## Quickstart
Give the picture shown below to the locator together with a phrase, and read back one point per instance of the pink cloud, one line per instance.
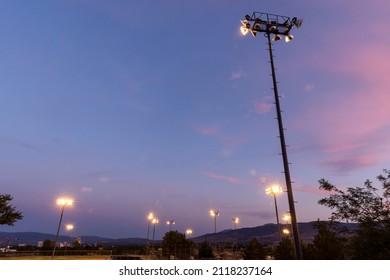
(206, 129)
(311, 189)
(350, 121)
(237, 74)
(229, 179)
(229, 142)
(263, 107)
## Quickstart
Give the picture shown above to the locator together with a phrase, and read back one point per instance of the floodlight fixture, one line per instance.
(289, 37)
(277, 37)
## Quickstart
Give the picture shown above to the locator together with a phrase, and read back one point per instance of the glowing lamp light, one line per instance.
(64, 201)
(214, 213)
(274, 190)
(150, 216)
(69, 227)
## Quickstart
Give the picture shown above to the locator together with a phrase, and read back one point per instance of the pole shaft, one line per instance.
(277, 216)
(297, 242)
(58, 231)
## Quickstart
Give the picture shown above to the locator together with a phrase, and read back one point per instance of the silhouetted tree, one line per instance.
(254, 250)
(175, 244)
(205, 251)
(8, 213)
(326, 244)
(368, 208)
(47, 245)
(285, 250)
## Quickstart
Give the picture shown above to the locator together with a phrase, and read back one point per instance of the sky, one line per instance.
(163, 106)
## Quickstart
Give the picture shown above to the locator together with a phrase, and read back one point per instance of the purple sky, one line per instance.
(163, 106)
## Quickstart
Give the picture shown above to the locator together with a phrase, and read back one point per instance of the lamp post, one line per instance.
(69, 228)
(150, 217)
(63, 202)
(277, 26)
(214, 214)
(170, 223)
(154, 222)
(287, 219)
(274, 190)
(189, 232)
(235, 221)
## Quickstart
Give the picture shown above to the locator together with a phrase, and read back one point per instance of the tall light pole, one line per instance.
(287, 219)
(150, 218)
(274, 190)
(214, 214)
(69, 228)
(63, 202)
(188, 232)
(187, 235)
(154, 222)
(235, 221)
(170, 223)
(277, 26)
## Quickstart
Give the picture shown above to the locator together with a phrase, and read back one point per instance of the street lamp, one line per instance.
(154, 222)
(63, 202)
(235, 222)
(170, 223)
(150, 217)
(274, 190)
(214, 214)
(69, 228)
(286, 218)
(277, 26)
(189, 232)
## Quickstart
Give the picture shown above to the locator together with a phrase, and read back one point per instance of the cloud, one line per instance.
(309, 87)
(345, 164)
(18, 143)
(263, 107)
(229, 142)
(237, 74)
(104, 179)
(86, 189)
(350, 117)
(206, 129)
(229, 179)
(310, 189)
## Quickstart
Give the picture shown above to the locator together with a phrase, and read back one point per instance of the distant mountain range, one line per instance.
(267, 233)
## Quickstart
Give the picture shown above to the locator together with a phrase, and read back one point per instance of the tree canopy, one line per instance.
(254, 250)
(370, 208)
(175, 244)
(359, 204)
(8, 213)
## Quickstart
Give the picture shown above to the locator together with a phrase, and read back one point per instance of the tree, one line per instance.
(205, 251)
(8, 214)
(285, 250)
(326, 244)
(47, 245)
(371, 210)
(175, 244)
(254, 250)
